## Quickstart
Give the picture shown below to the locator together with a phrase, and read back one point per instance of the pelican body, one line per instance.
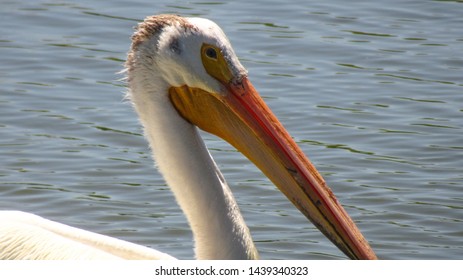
(183, 75)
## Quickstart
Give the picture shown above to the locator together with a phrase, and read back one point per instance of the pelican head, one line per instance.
(185, 69)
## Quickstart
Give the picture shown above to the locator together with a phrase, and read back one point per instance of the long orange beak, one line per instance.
(240, 116)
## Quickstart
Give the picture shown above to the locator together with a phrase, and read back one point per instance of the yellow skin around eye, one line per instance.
(216, 67)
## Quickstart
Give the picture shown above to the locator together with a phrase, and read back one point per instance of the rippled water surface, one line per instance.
(373, 93)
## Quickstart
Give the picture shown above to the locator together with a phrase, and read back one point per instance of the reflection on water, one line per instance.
(371, 93)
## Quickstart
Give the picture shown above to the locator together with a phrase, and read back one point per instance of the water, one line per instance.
(372, 93)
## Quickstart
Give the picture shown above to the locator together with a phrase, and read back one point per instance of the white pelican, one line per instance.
(183, 75)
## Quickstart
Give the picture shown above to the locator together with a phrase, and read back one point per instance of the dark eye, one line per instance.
(211, 53)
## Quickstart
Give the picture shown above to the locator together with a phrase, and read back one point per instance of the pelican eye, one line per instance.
(211, 53)
(215, 64)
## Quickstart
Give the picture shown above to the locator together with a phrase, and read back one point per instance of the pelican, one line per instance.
(183, 75)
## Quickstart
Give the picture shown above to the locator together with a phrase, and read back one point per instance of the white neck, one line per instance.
(218, 228)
